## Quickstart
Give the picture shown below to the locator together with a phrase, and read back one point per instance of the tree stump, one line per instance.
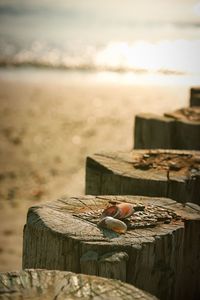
(173, 174)
(43, 284)
(177, 130)
(195, 96)
(159, 252)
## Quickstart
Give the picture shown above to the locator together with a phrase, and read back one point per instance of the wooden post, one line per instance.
(195, 96)
(110, 265)
(173, 174)
(43, 284)
(177, 130)
(64, 235)
(153, 132)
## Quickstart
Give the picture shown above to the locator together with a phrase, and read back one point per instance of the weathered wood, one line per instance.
(111, 265)
(153, 132)
(173, 174)
(195, 96)
(177, 130)
(43, 284)
(195, 100)
(157, 259)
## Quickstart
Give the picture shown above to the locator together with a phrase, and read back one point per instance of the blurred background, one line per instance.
(73, 74)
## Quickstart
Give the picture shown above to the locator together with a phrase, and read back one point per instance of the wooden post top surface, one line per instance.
(73, 218)
(43, 284)
(188, 115)
(161, 165)
(65, 235)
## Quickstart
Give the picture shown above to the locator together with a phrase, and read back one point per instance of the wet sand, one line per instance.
(48, 127)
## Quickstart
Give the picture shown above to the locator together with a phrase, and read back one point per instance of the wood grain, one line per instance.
(157, 260)
(174, 130)
(119, 174)
(46, 285)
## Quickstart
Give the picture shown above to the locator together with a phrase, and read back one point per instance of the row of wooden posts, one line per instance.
(163, 259)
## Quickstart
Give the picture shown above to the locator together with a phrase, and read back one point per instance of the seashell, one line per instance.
(112, 211)
(113, 224)
(125, 210)
(119, 211)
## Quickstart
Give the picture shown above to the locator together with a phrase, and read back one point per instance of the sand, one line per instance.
(48, 127)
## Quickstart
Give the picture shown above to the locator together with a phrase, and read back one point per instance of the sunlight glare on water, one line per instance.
(179, 56)
(143, 37)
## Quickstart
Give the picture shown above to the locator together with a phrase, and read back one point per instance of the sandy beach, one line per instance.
(48, 125)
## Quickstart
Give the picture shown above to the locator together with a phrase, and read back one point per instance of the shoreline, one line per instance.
(101, 77)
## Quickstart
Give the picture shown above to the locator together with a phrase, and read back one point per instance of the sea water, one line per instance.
(132, 38)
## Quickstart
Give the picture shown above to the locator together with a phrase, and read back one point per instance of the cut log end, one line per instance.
(43, 284)
(176, 130)
(188, 114)
(63, 235)
(159, 173)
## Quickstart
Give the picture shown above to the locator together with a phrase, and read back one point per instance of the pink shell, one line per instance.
(125, 210)
(119, 211)
(112, 211)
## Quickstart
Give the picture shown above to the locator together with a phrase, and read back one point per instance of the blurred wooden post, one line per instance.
(43, 284)
(195, 96)
(156, 259)
(153, 132)
(173, 174)
(177, 130)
